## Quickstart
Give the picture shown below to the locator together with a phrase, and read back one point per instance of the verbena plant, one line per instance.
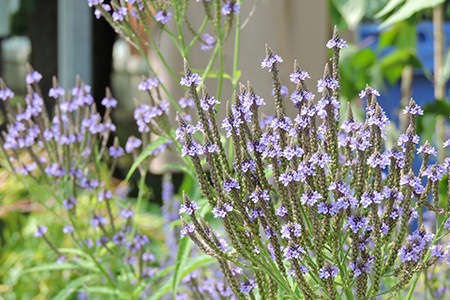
(310, 207)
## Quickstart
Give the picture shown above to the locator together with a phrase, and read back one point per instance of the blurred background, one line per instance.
(399, 47)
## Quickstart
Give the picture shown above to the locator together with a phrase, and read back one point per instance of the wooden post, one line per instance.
(74, 42)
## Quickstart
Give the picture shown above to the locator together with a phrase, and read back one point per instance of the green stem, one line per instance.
(237, 40)
(436, 239)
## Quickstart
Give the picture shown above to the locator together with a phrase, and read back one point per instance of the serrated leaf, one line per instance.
(144, 154)
(52, 267)
(184, 247)
(408, 9)
(352, 11)
(191, 265)
(390, 6)
(72, 286)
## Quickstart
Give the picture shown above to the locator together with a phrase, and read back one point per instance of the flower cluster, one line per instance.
(312, 187)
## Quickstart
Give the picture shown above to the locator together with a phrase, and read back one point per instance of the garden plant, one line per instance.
(307, 204)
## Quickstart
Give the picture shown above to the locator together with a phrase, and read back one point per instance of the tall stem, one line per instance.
(439, 84)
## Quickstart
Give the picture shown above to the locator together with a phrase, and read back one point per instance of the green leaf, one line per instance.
(72, 286)
(184, 247)
(390, 6)
(446, 68)
(180, 167)
(408, 9)
(53, 267)
(193, 264)
(352, 11)
(145, 153)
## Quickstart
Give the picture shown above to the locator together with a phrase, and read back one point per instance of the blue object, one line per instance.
(423, 90)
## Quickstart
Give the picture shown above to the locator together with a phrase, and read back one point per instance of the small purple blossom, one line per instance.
(327, 82)
(298, 76)
(187, 230)
(413, 109)
(163, 17)
(69, 203)
(247, 287)
(189, 207)
(116, 151)
(54, 92)
(208, 42)
(221, 211)
(132, 144)
(33, 77)
(97, 221)
(336, 43)
(148, 84)
(41, 231)
(191, 79)
(270, 61)
(293, 251)
(310, 198)
(231, 184)
(290, 230)
(229, 8)
(119, 14)
(355, 223)
(68, 229)
(328, 272)
(109, 102)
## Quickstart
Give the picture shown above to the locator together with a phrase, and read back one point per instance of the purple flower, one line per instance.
(328, 208)
(427, 149)
(126, 214)
(293, 251)
(187, 230)
(361, 266)
(40, 231)
(270, 61)
(6, 93)
(378, 160)
(434, 172)
(119, 14)
(186, 102)
(221, 211)
(298, 76)
(369, 198)
(298, 97)
(97, 221)
(230, 7)
(69, 203)
(116, 151)
(413, 109)
(231, 184)
(414, 182)
(192, 150)
(208, 42)
(163, 17)
(336, 43)
(310, 198)
(132, 144)
(284, 91)
(327, 82)
(328, 272)
(447, 224)
(247, 287)
(257, 196)
(407, 138)
(33, 77)
(438, 252)
(355, 223)
(281, 211)
(191, 79)
(189, 207)
(109, 102)
(94, 2)
(209, 102)
(68, 229)
(149, 84)
(368, 91)
(290, 230)
(55, 92)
